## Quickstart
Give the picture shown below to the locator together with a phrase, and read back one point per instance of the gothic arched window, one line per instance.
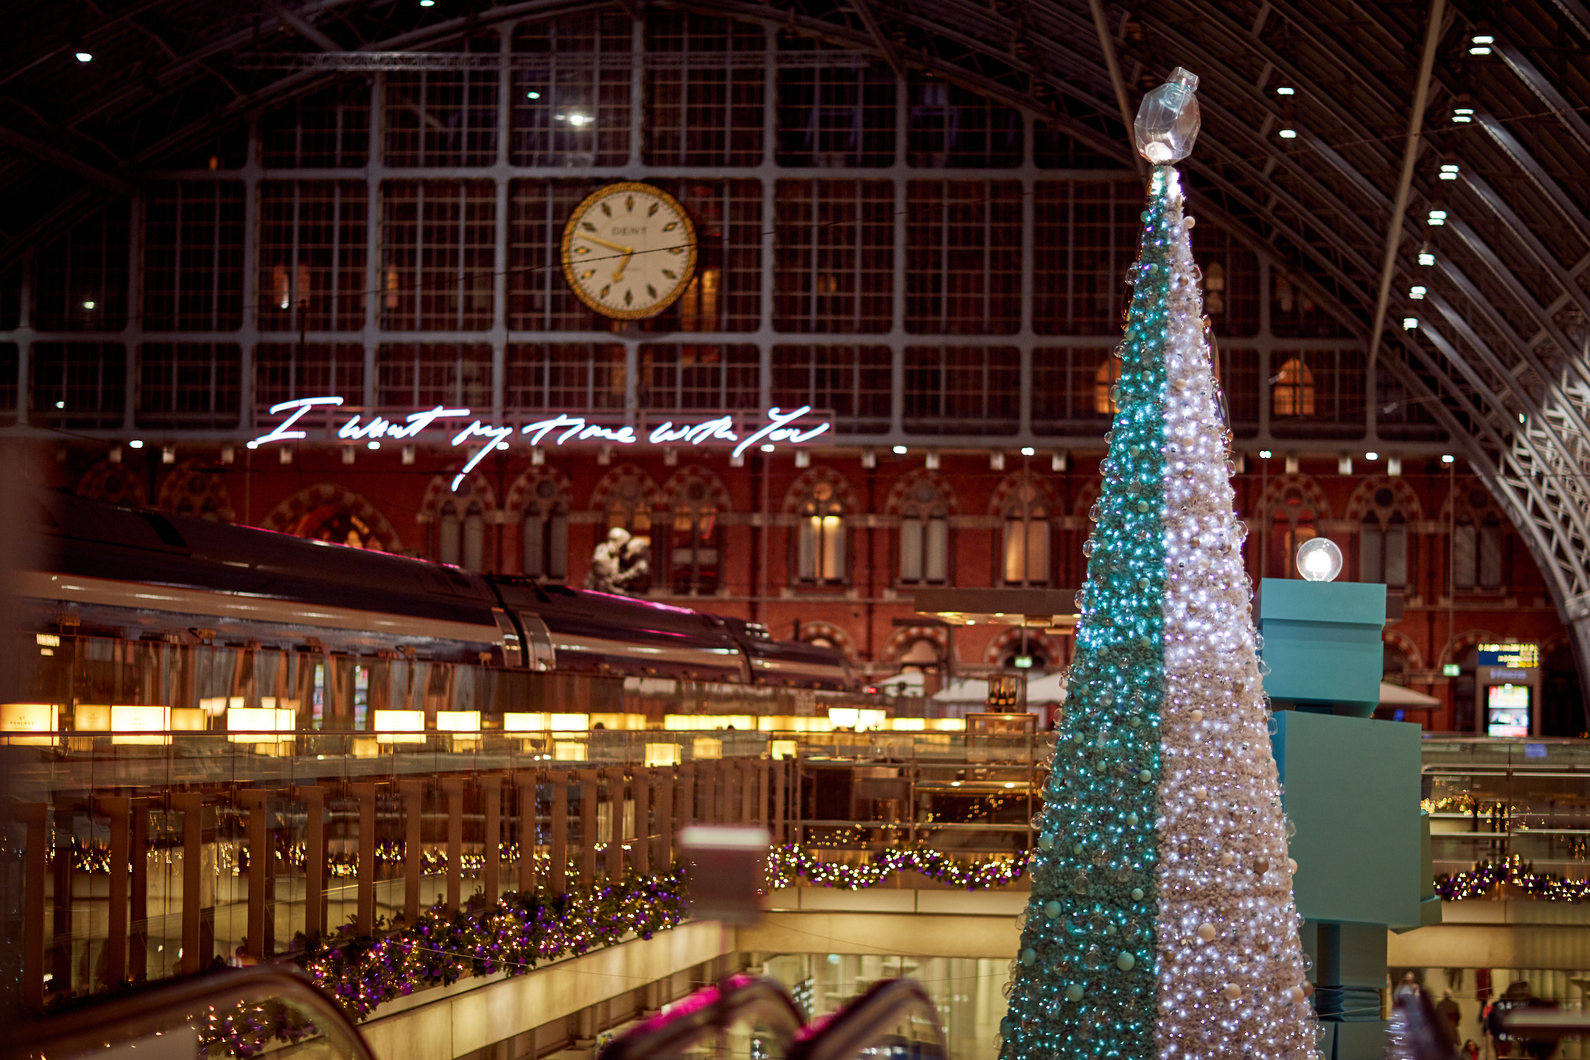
(546, 533)
(695, 541)
(1026, 550)
(1383, 541)
(461, 535)
(820, 548)
(924, 536)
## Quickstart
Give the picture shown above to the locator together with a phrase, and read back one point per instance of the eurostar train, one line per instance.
(137, 576)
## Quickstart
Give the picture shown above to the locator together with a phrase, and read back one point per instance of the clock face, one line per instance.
(629, 250)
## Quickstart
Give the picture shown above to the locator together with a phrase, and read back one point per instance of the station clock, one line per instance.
(629, 250)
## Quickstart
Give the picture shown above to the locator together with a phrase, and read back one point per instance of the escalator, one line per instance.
(894, 1019)
(272, 1011)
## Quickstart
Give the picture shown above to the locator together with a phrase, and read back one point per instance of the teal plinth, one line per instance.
(1351, 788)
(1322, 643)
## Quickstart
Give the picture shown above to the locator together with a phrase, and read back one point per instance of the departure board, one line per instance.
(1511, 656)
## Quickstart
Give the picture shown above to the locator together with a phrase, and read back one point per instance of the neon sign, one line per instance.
(778, 426)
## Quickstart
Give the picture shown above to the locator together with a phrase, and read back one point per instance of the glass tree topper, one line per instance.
(1167, 121)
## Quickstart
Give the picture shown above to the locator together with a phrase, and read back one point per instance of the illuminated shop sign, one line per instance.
(774, 427)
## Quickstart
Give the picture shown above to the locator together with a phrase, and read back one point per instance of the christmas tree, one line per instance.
(1161, 922)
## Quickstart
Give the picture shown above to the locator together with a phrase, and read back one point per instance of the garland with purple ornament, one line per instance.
(1486, 875)
(786, 862)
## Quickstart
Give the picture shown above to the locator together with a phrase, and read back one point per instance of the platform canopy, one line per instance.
(1308, 155)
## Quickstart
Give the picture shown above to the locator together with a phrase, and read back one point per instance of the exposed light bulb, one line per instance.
(85, 57)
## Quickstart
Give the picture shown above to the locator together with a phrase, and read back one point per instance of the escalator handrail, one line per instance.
(87, 1024)
(855, 1027)
(739, 998)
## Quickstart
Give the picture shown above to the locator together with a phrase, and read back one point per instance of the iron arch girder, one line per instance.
(1543, 319)
(1542, 87)
(1555, 551)
(1387, 98)
(1548, 186)
(1213, 15)
(1518, 508)
(1566, 493)
(1533, 411)
(1515, 225)
(1211, 105)
(189, 63)
(1521, 347)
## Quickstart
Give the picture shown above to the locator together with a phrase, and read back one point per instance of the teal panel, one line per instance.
(1355, 603)
(1351, 788)
(1322, 642)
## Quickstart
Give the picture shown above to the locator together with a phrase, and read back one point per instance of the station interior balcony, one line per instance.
(131, 857)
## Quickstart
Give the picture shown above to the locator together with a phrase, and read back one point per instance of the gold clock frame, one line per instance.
(569, 233)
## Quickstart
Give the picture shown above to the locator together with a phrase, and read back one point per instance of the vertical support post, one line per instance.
(314, 800)
(527, 835)
(61, 951)
(491, 873)
(667, 787)
(560, 832)
(118, 809)
(191, 806)
(640, 786)
(257, 802)
(138, 948)
(748, 789)
(34, 818)
(764, 812)
(454, 786)
(685, 813)
(364, 921)
(780, 798)
(588, 794)
(614, 862)
(413, 792)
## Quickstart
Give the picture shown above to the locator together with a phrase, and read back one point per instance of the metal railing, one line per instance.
(236, 1012)
(143, 860)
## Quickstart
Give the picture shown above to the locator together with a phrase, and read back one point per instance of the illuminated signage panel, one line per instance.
(1511, 656)
(774, 427)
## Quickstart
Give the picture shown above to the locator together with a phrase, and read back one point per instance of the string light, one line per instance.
(787, 862)
(1161, 914)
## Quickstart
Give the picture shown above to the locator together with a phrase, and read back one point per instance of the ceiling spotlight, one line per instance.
(1426, 258)
(1286, 90)
(1289, 134)
(899, 450)
(1437, 217)
(1480, 44)
(1462, 115)
(1371, 456)
(60, 404)
(532, 95)
(1265, 454)
(88, 305)
(1448, 458)
(427, 3)
(1449, 171)
(372, 445)
(85, 57)
(136, 443)
(1416, 291)
(1028, 450)
(767, 448)
(1410, 323)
